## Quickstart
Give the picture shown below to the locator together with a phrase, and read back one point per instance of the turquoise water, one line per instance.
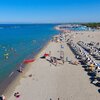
(19, 42)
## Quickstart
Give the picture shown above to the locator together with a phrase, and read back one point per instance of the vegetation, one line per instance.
(92, 25)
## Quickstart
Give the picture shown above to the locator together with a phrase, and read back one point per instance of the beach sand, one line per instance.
(50, 82)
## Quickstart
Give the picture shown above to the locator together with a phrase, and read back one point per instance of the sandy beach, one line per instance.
(42, 80)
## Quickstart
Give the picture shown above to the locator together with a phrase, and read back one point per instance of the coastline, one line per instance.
(21, 46)
(14, 80)
(61, 81)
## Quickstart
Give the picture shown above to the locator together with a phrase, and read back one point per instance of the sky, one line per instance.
(49, 11)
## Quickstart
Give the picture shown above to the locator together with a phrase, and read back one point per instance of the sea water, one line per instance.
(19, 42)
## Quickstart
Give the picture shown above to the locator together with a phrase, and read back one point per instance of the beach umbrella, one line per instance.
(97, 64)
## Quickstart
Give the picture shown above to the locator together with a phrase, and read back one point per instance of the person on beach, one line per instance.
(67, 59)
(53, 60)
(62, 46)
(17, 95)
(2, 97)
(62, 56)
(21, 69)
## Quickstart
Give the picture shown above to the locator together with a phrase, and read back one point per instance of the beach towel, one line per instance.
(46, 54)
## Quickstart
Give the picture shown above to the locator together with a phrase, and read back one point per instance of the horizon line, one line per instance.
(44, 22)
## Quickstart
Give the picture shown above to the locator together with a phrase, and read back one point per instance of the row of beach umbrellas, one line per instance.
(81, 51)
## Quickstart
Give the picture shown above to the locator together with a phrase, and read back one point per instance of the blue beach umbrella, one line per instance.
(98, 64)
(62, 46)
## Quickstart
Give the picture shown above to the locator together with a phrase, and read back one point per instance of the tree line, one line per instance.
(92, 25)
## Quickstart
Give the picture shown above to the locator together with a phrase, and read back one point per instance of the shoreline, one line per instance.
(21, 47)
(50, 81)
(16, 75)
